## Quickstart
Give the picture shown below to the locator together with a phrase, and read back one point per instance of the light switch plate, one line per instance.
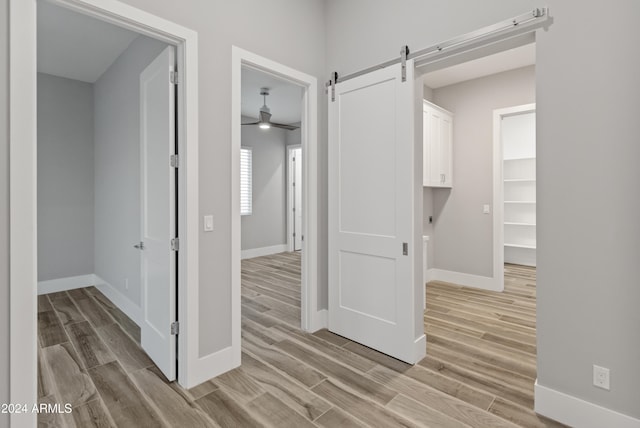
(486, 209)
(208, 223)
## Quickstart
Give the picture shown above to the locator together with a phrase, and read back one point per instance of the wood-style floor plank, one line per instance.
(336, 417)
(479, 371)
(67, 310)
(93, 312)
(174, 405)
(277, 414)
(73, 384)
(125, 402)
(364, 410)
(224, 410)
(125, 322)
(294, 395)
(93, 414)
(91, 349)
(50, 331)
(128, 352)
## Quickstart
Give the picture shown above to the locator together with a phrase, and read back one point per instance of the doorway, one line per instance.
(106, 190)
(23, 186)
(312, 319)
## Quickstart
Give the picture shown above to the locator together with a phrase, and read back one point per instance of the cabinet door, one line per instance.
(437, 148)
(446, 153)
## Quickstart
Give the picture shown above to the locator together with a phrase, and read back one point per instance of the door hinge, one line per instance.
(175, 244)
(405, 249)
(173, 77)
(175, 161)
(175, 328)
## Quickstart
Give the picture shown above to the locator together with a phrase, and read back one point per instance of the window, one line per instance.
(245, 181)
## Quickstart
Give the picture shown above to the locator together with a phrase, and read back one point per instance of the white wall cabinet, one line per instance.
(438, 146)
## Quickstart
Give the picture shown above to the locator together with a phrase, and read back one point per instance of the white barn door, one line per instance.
(158, 197)
(371, 221)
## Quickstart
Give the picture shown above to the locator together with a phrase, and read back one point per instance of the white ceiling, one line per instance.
(284, 100)
(492, 64)
(76, 46)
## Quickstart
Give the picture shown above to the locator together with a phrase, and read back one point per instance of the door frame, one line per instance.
(498, 187)
(23, 186)
(290, 197)
(312, 319)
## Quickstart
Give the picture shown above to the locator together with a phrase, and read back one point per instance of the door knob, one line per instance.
(139, 246)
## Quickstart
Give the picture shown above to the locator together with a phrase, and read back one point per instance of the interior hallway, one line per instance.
(479, 372)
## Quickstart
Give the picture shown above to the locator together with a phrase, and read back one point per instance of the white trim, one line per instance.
(23, 187)
(290, 196)
(576, 412)
(420, 347)
(23, 261)
(121, 301)
(64, 284)
(310, 316)
(466, 279)
(263, 251)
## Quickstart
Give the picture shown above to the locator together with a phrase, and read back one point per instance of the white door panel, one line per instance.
(371, 181)
(158, 184)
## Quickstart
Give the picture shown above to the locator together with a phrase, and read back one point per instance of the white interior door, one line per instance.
(371, 183)
(297, 198)
(158, 184)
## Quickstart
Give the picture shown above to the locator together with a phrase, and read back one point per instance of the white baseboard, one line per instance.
(468, 280)
(420, 347)
(576, 412)
(123, 303)
(264, 251)
(64, 284)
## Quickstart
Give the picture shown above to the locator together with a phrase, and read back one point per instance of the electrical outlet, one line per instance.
(601, 377)
(126, 283)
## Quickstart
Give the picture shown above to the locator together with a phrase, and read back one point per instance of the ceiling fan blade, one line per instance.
(283, 126)
(253, 123)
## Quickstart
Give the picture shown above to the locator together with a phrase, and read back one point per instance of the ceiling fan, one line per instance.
(264, 117)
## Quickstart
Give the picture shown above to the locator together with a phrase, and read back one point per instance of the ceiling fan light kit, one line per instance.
(264, 116)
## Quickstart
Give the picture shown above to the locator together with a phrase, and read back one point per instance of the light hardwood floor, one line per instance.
(479, 371)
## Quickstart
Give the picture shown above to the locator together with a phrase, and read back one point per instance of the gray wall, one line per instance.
(65, 177)
(4, 208)
(588, 150)
(587, 282)
(462, 234)
(117, 167)
(267, 225)
(296, 39)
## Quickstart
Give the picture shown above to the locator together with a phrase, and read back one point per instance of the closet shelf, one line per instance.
(531, 247)
(519, 159)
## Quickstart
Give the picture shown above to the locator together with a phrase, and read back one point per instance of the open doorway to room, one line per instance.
(271, 192)
(479, 225)
(108, 139)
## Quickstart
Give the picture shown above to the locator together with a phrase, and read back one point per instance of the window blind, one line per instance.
(245, 181)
